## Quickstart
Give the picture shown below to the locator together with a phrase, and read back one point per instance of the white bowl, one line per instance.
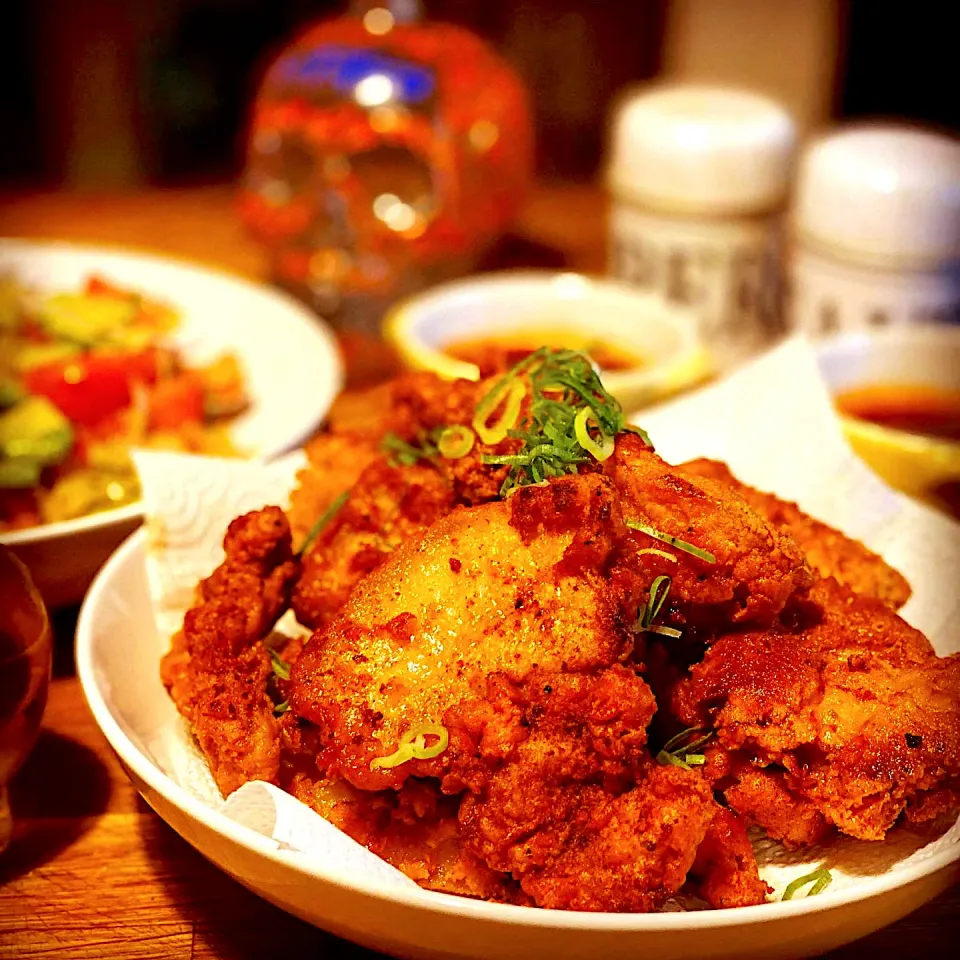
(290, 361)
(512, 301)
(118, 657)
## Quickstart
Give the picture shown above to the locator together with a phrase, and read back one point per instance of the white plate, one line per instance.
(289, 357)
(118, 658)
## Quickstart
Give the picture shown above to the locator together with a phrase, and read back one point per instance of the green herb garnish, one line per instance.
(413, 746)
(658, 593)
(679, 751)
(673, 541)
(281, 668)
(321, 524)
(281, 708)
(570, 420)
(820, 879)
(404, 454)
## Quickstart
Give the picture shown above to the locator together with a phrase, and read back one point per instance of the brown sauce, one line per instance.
(496, 354)
(923, 410)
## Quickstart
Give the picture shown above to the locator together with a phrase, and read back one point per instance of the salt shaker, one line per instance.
(876, 231)
(699, 179)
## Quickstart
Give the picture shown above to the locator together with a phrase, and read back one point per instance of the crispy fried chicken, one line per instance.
(828, 551)
(852, 715)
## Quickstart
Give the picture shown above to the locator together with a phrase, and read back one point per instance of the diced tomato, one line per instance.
(176, 401)
(89, 388)
(98, 287)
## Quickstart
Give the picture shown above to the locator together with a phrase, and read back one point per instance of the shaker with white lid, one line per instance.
(876, 230)
(699, 176)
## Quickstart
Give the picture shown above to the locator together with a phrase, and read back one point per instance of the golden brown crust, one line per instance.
(218, 669)
(858, 712)
(828, 551)
(758, 568)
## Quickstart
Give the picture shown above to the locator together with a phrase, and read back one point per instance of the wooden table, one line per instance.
(92, 871)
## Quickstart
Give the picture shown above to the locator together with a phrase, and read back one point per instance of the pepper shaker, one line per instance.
(699, 178)
(876, 231)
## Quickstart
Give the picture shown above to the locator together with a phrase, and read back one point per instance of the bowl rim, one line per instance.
(447, 904)
(864, 342)
(130, 512)
(400, 326)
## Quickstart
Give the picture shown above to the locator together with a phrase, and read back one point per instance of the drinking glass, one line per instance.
(26, 651)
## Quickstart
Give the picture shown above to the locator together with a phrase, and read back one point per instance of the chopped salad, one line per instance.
(86, 376)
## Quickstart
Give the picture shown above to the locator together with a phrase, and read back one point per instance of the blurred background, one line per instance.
(118, 94)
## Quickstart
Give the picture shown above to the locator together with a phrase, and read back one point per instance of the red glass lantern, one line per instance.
(385, 153)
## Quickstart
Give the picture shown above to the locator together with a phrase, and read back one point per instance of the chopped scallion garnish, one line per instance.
(680, 751)
(653, 552)
(413, 747)
(820, 879)
(570, 419)
(280, 667)
(673, 541)
(321, 524)
(455, 442)
(658, 593)
(404, 454)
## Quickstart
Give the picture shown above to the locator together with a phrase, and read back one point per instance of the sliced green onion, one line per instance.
(413, 747)
(673, 541)
(668, 759)
(510, 397)
(601, 451)
(653, 552)
(403, 454)
(280, 667)
(455, 442)
(676, 753)
(321, 524)
(820, 879)
(281, 708)
(665, 631)
(658, 593)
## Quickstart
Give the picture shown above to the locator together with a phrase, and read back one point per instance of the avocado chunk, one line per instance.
(19, 473)
(84, 319)
(35, 429)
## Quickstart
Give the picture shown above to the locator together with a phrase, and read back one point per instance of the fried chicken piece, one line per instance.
(725, 868)
(504, 587)
(828, 551)
(388, 503)
(506, 628)
(387, 506)
(335, 462)
(758, 568)
(415, 830)
(858, 712)
(565, 797)
(218, 668)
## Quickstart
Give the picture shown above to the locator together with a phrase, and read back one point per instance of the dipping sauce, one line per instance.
(495, 354)
(924, 410)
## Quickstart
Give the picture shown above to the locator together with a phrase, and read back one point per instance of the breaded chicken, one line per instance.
(505, 587)
(855, 709)
(218, 669)
(388, 500)
(335, 463)
(386, 506)
(505, 631)
(829, 552)
(758, 568)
